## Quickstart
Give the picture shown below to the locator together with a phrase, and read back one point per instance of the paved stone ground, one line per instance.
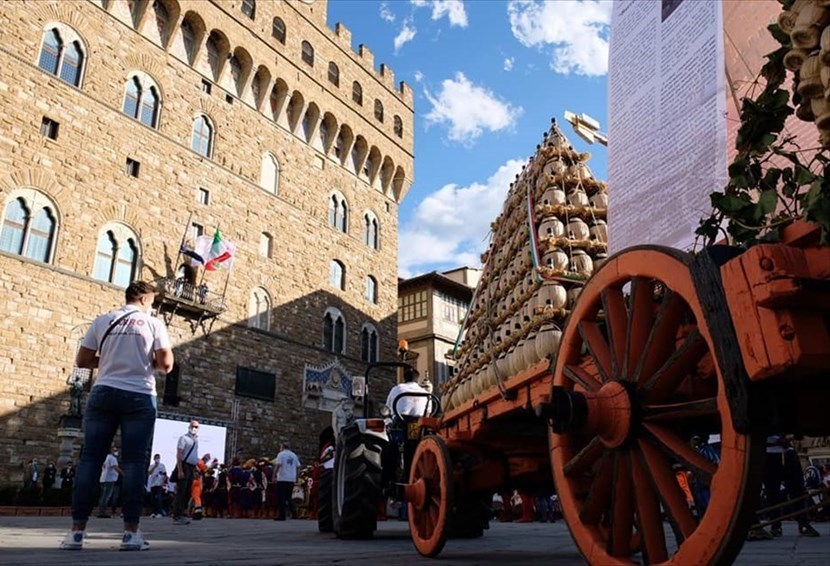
(33, 541)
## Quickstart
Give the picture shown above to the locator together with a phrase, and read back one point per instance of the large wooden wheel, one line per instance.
(639, 375)
(430, 495)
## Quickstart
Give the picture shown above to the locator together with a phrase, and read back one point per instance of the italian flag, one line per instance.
(220, 254)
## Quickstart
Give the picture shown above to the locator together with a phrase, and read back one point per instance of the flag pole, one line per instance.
(181, 246)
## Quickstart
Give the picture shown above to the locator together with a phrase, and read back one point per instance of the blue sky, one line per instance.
(487, 76)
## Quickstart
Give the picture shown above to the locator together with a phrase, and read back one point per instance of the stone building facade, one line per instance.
(129, 126)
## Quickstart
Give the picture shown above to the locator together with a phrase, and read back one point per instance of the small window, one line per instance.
(259, 310)
(249, 8)
(378, 110)
(338, 275)
(196, 230)
(133, 167)
(334, 74)
(202, 142)
(207, 86)
(265, 244)
(308, 53)
(255, 384)
(278, 30)
(370, 231)
(203, 196)
(357, 93)
(229, 99)
(371, 290)
(398, 126)
(49, 128)
(269, 174)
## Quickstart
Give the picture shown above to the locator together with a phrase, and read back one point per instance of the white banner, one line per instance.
(166, 437)
(667, 119)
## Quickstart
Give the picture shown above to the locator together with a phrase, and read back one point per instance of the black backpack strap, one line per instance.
(111, 327)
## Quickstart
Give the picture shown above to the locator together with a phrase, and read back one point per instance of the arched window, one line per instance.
(249, 8)
(370, 231)
(259, 310)
(278, 30)
(338, 146)
(324, 135)
(189, 40)
(29, 227)
(398, 126)
(338, 212)
(378, 110)
(202, 136)
(212, 47)
(371, 290)
(369, 343)
(117, 255)
(334, 331)
(357, 93)
(141, 100)
(334, 74)
(162, 21)
(61, 54)
(269, 176)
(308, 53)
(338, 275)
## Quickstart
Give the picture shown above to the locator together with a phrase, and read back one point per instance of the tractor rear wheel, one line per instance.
(357, 483)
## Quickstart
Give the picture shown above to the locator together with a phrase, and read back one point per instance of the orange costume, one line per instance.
(196, 489)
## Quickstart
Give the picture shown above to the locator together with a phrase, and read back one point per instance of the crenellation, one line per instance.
(388, 76)
(367, 57)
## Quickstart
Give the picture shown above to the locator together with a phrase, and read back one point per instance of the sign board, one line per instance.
(667, 120)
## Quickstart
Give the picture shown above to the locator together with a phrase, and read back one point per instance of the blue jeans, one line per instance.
(107, 409)
(107, 491)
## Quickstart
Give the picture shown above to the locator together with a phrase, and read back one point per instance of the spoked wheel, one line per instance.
(430, 495)
(636, 377)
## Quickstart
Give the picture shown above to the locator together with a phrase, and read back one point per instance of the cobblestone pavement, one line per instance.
(34, 540)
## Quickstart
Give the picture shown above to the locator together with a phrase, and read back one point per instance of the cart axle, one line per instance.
(606, 413)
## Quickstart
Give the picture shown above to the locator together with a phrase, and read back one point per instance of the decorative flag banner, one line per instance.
(216, 251)
(196, 259)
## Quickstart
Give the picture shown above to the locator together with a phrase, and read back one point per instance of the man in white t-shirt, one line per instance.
(156, 475)
(410, 405)
(286, 465)
(127, 346)
(109, 476)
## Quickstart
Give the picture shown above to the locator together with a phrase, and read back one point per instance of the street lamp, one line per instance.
(587, 128)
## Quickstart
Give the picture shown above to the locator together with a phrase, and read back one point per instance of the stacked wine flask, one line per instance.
(549, 238)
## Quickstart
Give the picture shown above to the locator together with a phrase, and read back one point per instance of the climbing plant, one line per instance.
(771, 183)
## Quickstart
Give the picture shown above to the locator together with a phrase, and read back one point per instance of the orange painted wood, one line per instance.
(780, 323)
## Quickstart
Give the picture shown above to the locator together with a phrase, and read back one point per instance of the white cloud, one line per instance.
(406, 34)
(450, 227)
(577, 30)
(508, 64)
(469, 110)
(453, 9)
(385, 13)
(419, 76)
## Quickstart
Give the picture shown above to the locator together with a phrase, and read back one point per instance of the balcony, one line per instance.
(197, 303)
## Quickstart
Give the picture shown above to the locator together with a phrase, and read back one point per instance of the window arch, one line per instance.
(117, 256)
(334, 74)
(142, 100)
(338, 275)
(29, 226)
(259, 309)
(334, 331)
(202, 142)
(62, 54)
(269, 176)
(278, 30)
(249, 8)
(338, 212)
(308, 53)
(378, 110)
(370, 231)
(398, 126)
(357, 93)
(371, 289)
(369, 343)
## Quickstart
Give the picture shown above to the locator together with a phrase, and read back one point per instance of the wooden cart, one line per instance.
(661, 345)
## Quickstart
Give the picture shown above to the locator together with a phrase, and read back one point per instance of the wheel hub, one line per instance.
(608, 412)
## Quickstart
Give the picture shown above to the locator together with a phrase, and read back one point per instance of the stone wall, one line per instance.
(45, 306)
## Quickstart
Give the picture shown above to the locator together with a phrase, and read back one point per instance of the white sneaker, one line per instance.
(153, 516)
(74, 540)
(134, 541)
